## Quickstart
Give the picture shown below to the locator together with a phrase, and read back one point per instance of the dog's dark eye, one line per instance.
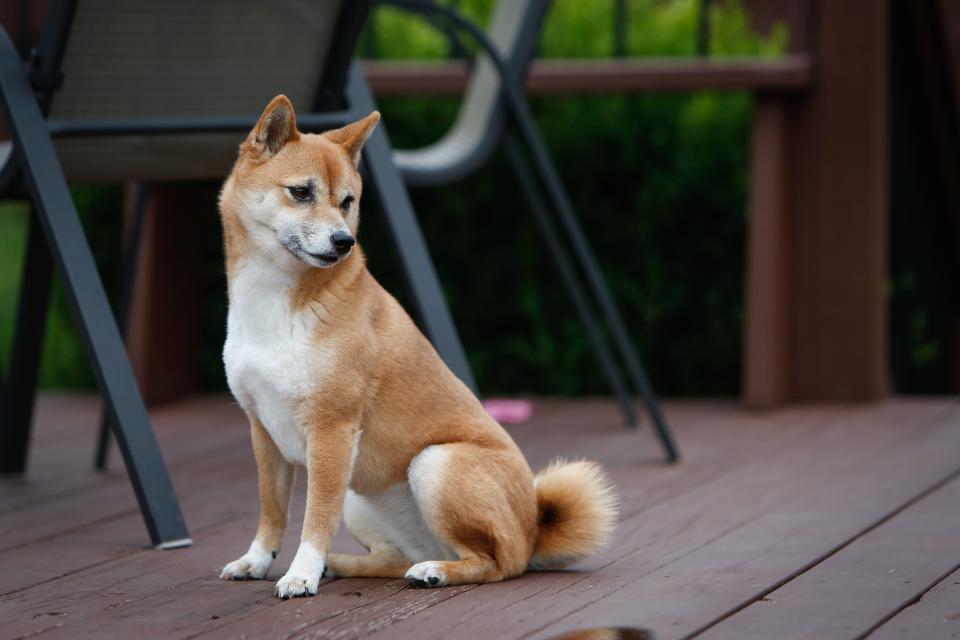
(301, 193)
(345, 205)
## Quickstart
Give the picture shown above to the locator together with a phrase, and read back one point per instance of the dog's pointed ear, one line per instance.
(352, 136)
(276, 127)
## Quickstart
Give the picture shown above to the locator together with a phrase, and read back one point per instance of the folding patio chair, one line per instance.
(494, 100)
(121, 90)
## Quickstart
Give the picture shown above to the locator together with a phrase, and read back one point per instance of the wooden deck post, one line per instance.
(163, 335)
(766, 334)
(823, 336)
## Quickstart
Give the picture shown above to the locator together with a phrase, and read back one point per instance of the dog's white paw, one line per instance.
(292, 586)
(426, 574)
(304, 573)
(253, 565)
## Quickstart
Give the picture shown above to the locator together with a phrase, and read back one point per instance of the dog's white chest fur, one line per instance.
(272, 356)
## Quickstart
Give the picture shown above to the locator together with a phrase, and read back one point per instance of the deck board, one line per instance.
(853, 591)
(935, 615)
(749, 495)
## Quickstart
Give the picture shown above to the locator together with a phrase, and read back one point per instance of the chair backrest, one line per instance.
(513, 30)
(142, 59)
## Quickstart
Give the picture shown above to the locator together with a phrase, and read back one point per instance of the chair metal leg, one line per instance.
(531, 134)
(128, 277)
(77, 271)
(520, 112)
(412, 248)
(571, 281)
(16, 405)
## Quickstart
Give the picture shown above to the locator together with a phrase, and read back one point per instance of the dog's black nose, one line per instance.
(342, 241)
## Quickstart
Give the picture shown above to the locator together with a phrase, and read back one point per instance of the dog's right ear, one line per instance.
(276, 127)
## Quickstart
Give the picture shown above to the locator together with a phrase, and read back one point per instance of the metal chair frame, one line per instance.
(512, 71)
(56, 239)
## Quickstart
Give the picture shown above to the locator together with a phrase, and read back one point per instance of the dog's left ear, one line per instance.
(352, 136)
(276, 127)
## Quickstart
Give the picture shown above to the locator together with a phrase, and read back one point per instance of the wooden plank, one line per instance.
(163, 338)
(61, 468)
(113, 588)
(317, 622)
(670, 530)
(105, 561)
(691, 560)
(766, 331)
(793, 73)
(935, 615)
(838, 190)
(850, 593)
(110, 559)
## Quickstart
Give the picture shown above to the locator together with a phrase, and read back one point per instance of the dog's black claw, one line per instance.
(434, 580)
(416, 582)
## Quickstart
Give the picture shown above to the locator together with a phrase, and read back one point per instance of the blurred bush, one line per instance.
(658, 181)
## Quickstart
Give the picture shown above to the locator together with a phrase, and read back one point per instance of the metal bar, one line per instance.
(571, 280)
(703, 28)
(162, 126)
(77, 271)
(414, 256)
(555, 189)
(619, 28)
(523, 118)
(128, 277)
(16, 410)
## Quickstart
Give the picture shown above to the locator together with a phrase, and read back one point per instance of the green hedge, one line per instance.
(658, 182)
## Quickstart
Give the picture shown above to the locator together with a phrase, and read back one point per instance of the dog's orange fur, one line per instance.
(391, 387)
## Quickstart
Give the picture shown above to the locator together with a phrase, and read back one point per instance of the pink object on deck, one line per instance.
(509, 411)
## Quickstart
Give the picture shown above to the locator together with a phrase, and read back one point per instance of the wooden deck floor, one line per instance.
(822, 522)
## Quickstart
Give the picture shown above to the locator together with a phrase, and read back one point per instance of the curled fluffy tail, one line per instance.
(577, 513)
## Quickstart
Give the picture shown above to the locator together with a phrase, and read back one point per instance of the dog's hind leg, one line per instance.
(381, 563)
(467, 570)
(390, 525)
(479, 503)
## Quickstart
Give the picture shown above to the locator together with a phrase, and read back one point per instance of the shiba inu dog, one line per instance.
(334, 376)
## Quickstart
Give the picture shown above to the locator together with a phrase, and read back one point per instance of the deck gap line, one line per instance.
(637, 578)
(57, 534)
(99, 479)
(312, 623)
(304, 632)
(467, 589)
(929, 421)
(586, 576)
(909, 603)
(802, 570)
(121, 555)
(583, 577)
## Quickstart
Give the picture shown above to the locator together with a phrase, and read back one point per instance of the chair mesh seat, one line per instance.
(137, 59)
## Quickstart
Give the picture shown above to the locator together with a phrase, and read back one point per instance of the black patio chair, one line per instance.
(494, 110)
(121, 90)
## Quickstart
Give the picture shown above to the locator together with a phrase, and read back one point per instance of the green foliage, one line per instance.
(63, 363)
(658, 182)
(577, 29)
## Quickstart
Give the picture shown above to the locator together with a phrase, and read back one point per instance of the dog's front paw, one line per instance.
(426, 574)
(246, 568)
(292, 586)
(253, 565)
(304, 573)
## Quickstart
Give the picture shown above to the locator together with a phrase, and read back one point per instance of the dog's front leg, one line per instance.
(329, 460)
(275, 476)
